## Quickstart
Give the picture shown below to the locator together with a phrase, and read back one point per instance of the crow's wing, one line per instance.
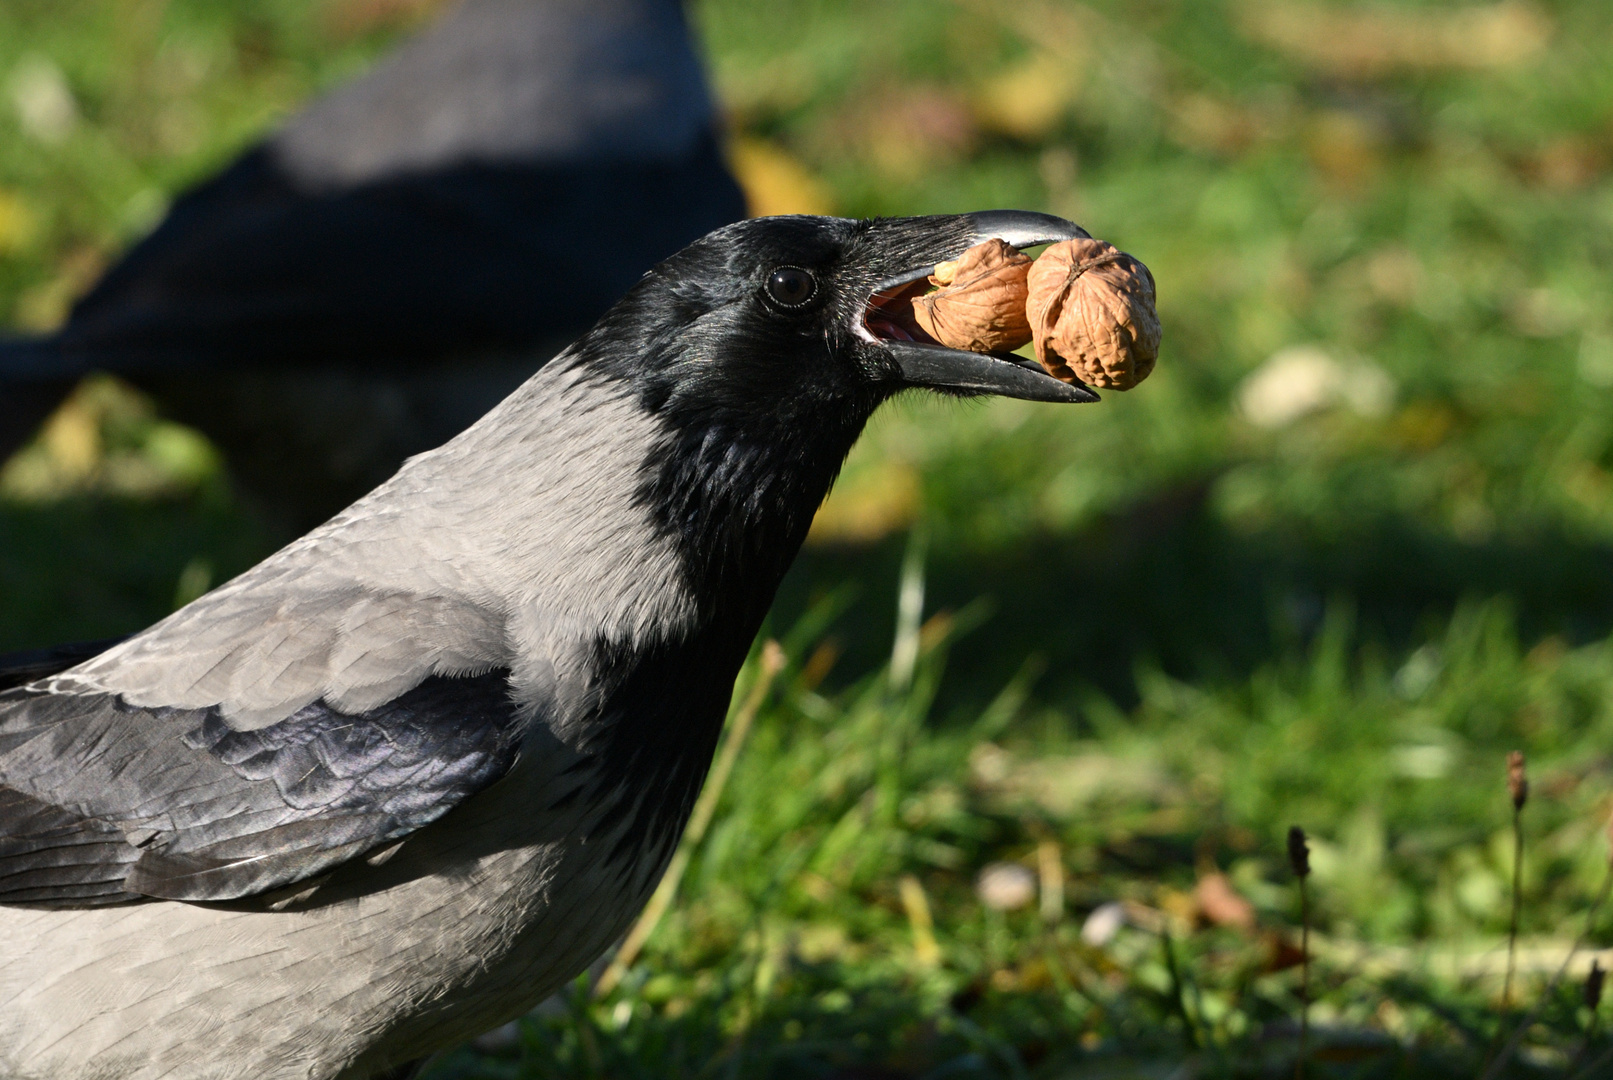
(102, 802)
(497, 182)
(249, 269)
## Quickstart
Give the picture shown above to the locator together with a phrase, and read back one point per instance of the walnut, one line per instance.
(981, 303)
(1091, 309)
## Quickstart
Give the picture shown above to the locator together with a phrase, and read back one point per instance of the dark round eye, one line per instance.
(791, 286)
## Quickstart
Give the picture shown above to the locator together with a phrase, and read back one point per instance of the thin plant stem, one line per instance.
(1517, 905)
(1593, 1002)
(1495, 1066)
(1304, 979)
(1518, 788)
(1299, 860)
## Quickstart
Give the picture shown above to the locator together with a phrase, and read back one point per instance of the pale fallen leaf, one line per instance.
(775, 182)
(1222, 905)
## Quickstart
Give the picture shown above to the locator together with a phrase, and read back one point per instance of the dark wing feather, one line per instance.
(102, 802)
(251, 268)
(48, 854)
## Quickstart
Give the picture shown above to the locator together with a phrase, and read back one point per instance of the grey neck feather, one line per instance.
(518, 544)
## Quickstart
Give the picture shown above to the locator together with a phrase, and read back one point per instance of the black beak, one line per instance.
(982, 373)
(928, 364)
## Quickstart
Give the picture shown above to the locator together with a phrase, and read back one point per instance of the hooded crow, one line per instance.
(398, 257)
(404, 778)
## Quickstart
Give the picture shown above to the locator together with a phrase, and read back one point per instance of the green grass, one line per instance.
(1174, 631)
(791, 952)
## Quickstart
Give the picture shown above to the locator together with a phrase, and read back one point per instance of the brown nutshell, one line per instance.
(1091, 310)
(981, 303)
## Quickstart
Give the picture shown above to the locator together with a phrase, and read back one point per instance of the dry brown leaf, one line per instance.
(1091, 310)
(1281, 954)
(1222, 905)
(981, 305)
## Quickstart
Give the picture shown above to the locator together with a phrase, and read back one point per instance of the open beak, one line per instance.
(924, 362)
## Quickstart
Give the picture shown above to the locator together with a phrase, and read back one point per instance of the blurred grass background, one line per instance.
(1351, 543)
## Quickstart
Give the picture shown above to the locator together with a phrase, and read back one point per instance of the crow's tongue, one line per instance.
(889, 316)
(887, 330)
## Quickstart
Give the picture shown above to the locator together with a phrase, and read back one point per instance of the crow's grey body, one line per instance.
(395, 784)
(496, 551)
(483, 914)
(352, 614)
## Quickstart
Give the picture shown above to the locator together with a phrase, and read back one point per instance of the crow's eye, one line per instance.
(791, 286)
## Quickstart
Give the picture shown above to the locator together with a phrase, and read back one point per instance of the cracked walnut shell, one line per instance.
(1091, 310)
(981, 303)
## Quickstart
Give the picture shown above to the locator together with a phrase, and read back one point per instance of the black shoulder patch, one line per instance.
(103, 802)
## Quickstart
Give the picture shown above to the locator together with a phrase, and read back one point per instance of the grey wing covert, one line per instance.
(102, 802)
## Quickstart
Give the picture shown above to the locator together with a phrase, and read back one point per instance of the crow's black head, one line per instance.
(777, 319)
(764, 348)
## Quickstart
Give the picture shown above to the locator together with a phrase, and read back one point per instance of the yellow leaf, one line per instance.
(1028, 100)
(17, 223)
(775, 182)
(867, 504)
